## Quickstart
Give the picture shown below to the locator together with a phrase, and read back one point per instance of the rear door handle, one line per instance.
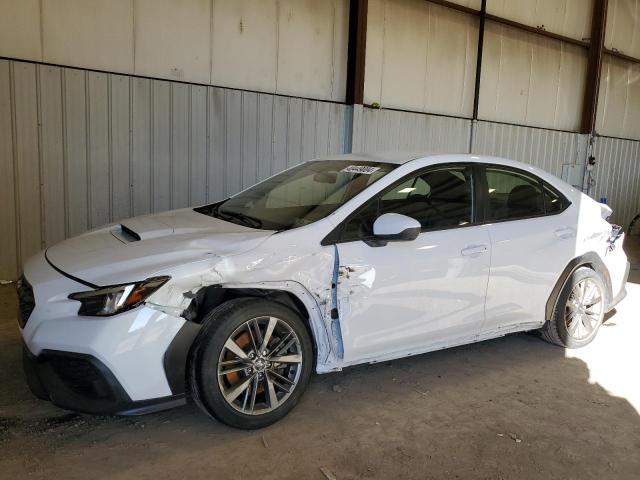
(474, 250)
(565, 232)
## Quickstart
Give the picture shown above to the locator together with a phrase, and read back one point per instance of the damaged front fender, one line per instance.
(308, 278)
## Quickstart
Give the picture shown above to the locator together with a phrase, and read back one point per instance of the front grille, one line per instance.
(80, 376)
(26, 301)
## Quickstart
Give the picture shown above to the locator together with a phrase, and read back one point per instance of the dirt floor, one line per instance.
(514, 407)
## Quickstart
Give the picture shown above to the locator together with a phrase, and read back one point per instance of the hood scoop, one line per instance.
(141, 228)
(125, 234)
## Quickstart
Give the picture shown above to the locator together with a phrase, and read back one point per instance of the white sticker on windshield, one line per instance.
(363, 169)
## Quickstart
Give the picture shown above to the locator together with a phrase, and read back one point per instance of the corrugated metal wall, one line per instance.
(389, 130)
(617, 176)
(79, 149)
(545, 149)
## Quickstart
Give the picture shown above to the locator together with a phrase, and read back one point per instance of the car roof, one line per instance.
(400, 158)
(423, 159)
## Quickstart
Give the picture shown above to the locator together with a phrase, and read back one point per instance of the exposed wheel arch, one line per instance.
(208, 298)
(212, 296)
(590, 260)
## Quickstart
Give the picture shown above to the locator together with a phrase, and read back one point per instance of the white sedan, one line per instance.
(335, 262)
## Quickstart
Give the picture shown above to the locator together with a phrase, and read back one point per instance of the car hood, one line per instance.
(143, 246)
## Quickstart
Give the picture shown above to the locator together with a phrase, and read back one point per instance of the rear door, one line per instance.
(533, 231)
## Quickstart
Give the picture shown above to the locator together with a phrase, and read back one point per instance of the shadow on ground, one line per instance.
(514, 407)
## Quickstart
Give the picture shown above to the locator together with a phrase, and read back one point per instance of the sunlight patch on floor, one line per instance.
(613, 358)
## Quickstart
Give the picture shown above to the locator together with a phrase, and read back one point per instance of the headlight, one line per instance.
(114, 299)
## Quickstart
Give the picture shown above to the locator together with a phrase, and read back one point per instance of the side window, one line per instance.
(513, 195)
(438, 199)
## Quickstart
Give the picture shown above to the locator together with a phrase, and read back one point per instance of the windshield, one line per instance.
(300, 195)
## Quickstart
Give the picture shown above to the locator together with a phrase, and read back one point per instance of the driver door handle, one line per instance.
(474, 250)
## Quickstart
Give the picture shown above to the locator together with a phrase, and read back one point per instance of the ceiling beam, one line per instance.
(537, 31)
(510, 23)
(356, 53)
(620, 55)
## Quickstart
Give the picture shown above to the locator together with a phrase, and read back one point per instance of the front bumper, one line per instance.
(83, 383)
(133, 362)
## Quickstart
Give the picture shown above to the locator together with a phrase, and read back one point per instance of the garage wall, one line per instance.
(289, 47)
(617, 176)
(618, 112)
(391, 130)
(543, 148)
(571, 18)
(532, 80)
(623, 21)
(80, 149)
(420, 57)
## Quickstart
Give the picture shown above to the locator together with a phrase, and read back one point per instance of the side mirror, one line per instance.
(394, 227)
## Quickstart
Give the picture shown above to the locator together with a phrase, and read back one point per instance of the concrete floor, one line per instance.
(514, 407)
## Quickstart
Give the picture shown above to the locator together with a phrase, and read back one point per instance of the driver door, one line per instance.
(413, 296)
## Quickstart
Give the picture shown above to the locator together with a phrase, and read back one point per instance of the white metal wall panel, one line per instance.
(392, 130)
(8, 240)
(91, 33)
(532, 80)
(545, 149)
(120, 145)
(289, 47)
(20, 29)
(98, 149)
(420, 57)
(245, 44)
(52, 153)
(312, 48)
(173, 39)
(571, 18)
(617, 176)
(623, 27)
(27, 165)
(618, 112)
(79, 149)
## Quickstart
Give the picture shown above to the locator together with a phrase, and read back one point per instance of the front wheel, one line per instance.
(251, 362)
(579, 311)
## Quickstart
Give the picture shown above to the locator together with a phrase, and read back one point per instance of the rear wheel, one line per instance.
(251, 362)
(579, 311)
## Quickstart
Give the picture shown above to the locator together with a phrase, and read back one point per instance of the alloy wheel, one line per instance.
(584, 310)
(260, 365)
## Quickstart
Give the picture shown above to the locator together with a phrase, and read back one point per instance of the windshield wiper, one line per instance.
(245, 219)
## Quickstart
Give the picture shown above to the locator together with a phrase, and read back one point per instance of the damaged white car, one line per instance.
(332, 263)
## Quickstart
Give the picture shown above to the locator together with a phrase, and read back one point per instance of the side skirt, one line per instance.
(525, 327)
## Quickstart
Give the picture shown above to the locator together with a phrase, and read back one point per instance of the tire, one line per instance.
(577, 317)
(249, 390)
